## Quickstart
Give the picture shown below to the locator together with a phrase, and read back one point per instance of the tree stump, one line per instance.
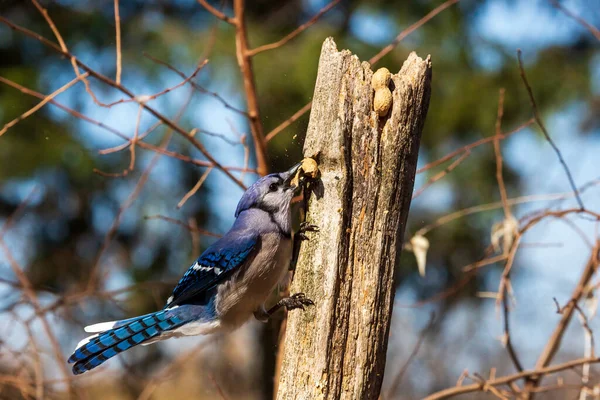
(337, 349)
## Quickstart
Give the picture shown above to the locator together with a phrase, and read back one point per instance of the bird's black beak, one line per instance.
(289, 176)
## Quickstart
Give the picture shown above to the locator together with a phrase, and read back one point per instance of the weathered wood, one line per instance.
(337, 349)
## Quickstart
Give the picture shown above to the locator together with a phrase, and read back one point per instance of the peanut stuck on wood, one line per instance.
(382, 102)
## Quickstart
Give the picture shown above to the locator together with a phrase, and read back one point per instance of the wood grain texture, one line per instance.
(337, 349)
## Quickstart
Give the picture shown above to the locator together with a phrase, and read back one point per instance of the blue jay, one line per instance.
(226, 285)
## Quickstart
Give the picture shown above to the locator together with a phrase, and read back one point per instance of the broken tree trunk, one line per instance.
(337, 349)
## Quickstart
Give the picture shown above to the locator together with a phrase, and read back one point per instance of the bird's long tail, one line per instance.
(120, 336)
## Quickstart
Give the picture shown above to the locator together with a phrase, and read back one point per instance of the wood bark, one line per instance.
(337, 349)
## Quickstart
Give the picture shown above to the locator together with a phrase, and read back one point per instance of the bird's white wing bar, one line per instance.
(100, 327)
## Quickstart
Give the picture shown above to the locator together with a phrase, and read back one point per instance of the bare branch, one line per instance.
(532, 374)
(41, 104)
(288, 121)
(31, 295)
(567, 312)
(131, 150)
(124, 90)
(383, 52)
(499, 176)
(244, 60)
(197, 86)
(74, 113)
(441, 174)
(64, 48)
(295, 32)
(118, 42)
(219, 14)
(471, 146)
(131, 198)
(179, 362)
(540, 123)
(195, 188)
(593, 30)
(372, 61)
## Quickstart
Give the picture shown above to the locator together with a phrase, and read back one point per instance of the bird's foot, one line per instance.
(298, 300)
(306, 227)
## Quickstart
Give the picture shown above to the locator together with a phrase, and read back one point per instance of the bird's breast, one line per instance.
(248, 288)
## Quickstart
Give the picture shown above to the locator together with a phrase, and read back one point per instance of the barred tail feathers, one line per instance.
(95, 350)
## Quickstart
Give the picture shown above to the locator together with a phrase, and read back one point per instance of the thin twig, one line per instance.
(219, 14)
(402, 35)
(499, 160)
(593, 30)
(30, 293)
(73, 60)
(196, 187)
(37, 365)
(398, 378)
(121, 135)
(133, 142)
(372, 61)
(64, 48)
(41, 104)
(585, 324)
(295, 32)
(471, 146)
(197, 86)
(507, 338)
(540, 123)
(556, 339)
(131, 198)
(589, 350)
(485, 262)
(116, 222)
(498, 204)
(244, 144)
(486, 207)
(146, 98)
(505, 280)
(441, 174)
(200, 163)
(182, 360)
(244, 60)
(118, 42)
(288, 121)
(123, 146)
(71, 111)
(535, 373)
(104, 79)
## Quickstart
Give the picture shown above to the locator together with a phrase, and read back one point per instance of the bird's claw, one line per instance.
(306, 227)
(298, 300)
(301, 236)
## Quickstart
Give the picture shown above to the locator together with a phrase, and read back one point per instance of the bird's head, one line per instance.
(271, 193)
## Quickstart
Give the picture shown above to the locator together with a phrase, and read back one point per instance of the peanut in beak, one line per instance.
(309, 169)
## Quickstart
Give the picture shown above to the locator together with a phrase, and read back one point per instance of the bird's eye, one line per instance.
(273, 187)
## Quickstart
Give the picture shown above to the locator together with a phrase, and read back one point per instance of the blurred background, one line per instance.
(97, 243)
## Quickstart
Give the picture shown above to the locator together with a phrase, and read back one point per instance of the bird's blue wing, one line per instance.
(214, 266)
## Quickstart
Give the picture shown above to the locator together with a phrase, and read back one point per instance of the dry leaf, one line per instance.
(419, 245)
(506, 231)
